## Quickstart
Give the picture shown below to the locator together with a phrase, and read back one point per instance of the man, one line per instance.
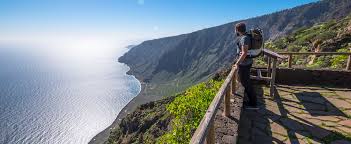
(244, 64)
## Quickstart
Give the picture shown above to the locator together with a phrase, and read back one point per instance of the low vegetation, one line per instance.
(331, 36)
(188, 110)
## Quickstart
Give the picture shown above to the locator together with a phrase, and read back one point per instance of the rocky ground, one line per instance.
(299, 115)
(226, 128)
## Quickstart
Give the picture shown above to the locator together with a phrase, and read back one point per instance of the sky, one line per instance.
(123, 20)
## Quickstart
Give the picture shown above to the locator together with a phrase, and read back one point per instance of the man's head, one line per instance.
(240, 28)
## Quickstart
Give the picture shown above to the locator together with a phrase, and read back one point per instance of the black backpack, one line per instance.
(256, 37)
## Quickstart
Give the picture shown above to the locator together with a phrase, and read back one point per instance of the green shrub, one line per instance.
(340, 61)
(188, 109)
(326, 35)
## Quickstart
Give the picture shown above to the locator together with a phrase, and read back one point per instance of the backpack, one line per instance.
(256, 37)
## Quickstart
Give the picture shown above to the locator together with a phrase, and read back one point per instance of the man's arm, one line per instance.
(242, 56)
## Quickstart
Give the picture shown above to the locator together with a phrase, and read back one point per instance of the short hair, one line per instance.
(240, 27)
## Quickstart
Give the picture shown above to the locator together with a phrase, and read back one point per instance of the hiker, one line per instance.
(244, 64)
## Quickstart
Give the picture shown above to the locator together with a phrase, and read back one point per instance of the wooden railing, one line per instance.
(206, 130)
(290, 55)
(271, 69)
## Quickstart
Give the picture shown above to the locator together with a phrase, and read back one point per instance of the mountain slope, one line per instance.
(331, 36)
(183, 60)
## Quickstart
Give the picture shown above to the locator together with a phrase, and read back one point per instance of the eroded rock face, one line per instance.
(148, 122)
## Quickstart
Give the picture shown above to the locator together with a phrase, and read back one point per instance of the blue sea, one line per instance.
(60, 95)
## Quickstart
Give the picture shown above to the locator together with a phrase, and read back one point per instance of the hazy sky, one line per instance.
(124, 19)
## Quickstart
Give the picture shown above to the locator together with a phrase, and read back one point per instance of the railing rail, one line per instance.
(205, 130)
(290, 55)
(315, 53)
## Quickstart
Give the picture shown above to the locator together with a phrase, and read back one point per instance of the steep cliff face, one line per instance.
(144, 58)
(193, 57)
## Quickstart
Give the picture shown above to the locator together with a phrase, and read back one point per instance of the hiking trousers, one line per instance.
(244, 76)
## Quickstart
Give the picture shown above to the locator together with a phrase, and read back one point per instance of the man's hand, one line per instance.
(243, 54)
(234, 66)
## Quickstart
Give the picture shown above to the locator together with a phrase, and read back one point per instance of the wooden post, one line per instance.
(210, 139)
(269, 67)
(348, 65)
(273, 77)
(234, 83)
(226, 111)
(289, 60)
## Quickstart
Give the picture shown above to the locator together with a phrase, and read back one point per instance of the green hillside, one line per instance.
(331, 36)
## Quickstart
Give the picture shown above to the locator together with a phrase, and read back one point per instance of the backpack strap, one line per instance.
(250, 37)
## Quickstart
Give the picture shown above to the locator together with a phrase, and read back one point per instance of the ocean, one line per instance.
(61, 95)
